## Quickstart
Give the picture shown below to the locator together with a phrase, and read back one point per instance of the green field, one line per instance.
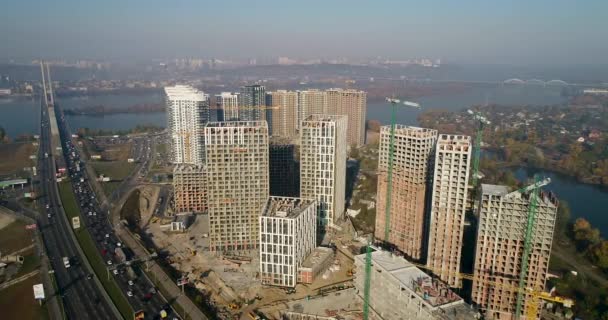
(17, 301)
(116, 170)
(88, 246)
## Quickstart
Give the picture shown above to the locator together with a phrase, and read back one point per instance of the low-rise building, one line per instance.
(399, 290)
(318, 261)
(288, 229)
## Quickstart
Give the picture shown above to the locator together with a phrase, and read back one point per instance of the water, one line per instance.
(20, 116)
(501, 95)
(585, 201)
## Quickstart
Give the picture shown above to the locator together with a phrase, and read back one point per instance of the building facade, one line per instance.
(187, 113)
(284, 169)
(227, 105)
(501, 231)
(252, 102)
(311, 102)
(448, 205)
(412, 160)
(400, 290)
(352, 103)
(284, 108)
(189, 188)
(323, 165)
(237, 182)
(288, 230)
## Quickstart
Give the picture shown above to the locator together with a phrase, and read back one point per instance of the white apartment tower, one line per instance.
(412, 159)
(187, 113)
(448, 205)
(501, 232)
(323, 165)
(237, 182)
(288, 231)
(227, 104)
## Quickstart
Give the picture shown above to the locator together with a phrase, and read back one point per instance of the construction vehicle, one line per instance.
(482, 122)
(155, 220)
(233, 306)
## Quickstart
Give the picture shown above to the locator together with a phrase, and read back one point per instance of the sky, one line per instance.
(520, 32)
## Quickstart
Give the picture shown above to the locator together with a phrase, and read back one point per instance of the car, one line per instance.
(130, 282)
(47, 206)
(109, 262)
(129, 293)
(115, 272)
(107, 235)
(118, 244)
(90, 276)
(48, 215)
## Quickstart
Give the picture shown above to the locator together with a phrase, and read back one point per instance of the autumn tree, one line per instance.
(584, 234)
(599, 254)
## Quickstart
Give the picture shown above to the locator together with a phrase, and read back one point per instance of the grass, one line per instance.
(116, 170)
(17, 301)
(14, 237)
(93, 256)
(14, 156)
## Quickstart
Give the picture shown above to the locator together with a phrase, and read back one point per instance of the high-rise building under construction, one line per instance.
(412, 156)
(189, 184)
(501, 235)
(237, 182)
(353, 104)
(448, 204)
(284, 108)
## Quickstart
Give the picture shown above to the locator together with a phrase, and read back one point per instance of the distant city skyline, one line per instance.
(511, 32)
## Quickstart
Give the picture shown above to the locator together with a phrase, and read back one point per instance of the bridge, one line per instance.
(555, 82)
(513, 81)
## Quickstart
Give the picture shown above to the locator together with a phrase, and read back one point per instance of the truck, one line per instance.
(66, 262)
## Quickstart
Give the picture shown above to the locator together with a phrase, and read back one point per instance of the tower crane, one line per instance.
(531, 221)
(536, 295)
(387, 212)
(482, 122)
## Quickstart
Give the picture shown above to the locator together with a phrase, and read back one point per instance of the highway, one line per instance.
(134, 284)
(81, 295)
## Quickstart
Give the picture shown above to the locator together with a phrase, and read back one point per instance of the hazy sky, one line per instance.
(465, 31)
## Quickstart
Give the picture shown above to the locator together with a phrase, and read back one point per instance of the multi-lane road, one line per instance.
(81, 293)
(138, 289)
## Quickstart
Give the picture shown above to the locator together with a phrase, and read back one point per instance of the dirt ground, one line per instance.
(147, 201)
(237, 282)
(17, 301)
(15, 156)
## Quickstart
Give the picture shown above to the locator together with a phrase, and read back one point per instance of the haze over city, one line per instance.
(496, 32)
(311, 160)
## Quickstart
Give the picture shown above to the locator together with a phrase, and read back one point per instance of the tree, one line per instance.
(584, 234)
(599, 254)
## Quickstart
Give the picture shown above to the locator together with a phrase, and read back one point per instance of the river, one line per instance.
(21, 116)
(585, 200)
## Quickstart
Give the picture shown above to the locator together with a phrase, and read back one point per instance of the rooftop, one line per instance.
(323, 117)
(235, 124)
(401, 129)
(286, 207)
(433, 292)
(317, 255)
(182, 92)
